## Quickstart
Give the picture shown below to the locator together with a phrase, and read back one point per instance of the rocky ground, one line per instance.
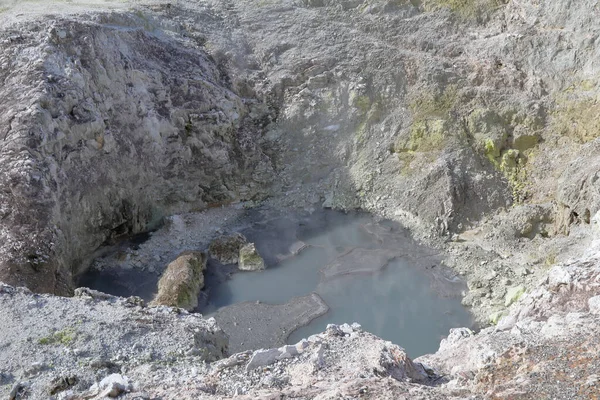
(105, 346)
(473, 123)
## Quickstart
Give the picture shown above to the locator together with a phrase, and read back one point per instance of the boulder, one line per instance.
(181, 282)
(115, 384)
(594, 305)
(250, 260)
(513, 294)
(226, 248)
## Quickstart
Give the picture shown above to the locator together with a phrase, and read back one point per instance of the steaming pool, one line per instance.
(366, 270)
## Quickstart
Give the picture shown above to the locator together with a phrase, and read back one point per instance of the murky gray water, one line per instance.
(397, 304)
(367, 271)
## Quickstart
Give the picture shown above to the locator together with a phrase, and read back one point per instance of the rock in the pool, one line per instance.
(181, 282)
(226, 248)
(250, 260)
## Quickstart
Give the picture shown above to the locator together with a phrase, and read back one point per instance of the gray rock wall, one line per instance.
(106, 128)
(431, 114)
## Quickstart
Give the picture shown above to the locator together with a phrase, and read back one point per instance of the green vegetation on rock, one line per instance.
(577, 119)
(495, 317)
(250, 260)
(64, 337)
(431, 104)
(427, 136)
(431, 122)
(363, 103)
(507, 139)
(181, 282)
(371, 112)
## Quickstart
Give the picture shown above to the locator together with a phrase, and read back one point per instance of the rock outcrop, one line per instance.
(105, 129)
(249, 259)
(180, 284)
(84, 339)
(226, 248)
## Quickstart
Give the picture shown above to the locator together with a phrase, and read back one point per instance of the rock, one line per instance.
(558, 276)
(211, 344)
(594, 305)
(261, 358)
(249, 258)
(288, 351)
(328, 202)
(592, 380)
(226, 248)
(114, 385)
(35, 368)
(495, 317)
(236, 359)
(347, 329)
(578, 199)
(92, 294)
(302, 345)
(17, 391)
(455, 336)
(62, 383)
(513, 294)
(333, 330)
(126, 169)
(181, 282)
(506, 323)
(318, 359)
(356, 327)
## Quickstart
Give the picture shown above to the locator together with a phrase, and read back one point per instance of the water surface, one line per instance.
(368, 272)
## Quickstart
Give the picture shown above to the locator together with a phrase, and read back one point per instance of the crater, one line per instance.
(323, 267)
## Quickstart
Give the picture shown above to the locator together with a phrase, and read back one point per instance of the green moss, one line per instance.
(512, 163)
(525, 142)
(188, 128)
(363, 103)
(431, 127)
(577, 119)
(65, 337)
(250, 258)
(550, 259)
(406, 159)
(431, 118)
(326, 102)
(513, 167)
(493, 133)
(513, 294)
(492, 152)
(432, 104)
(494, 318)
(427, 136)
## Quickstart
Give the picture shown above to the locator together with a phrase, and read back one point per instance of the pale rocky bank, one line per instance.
(473, 123)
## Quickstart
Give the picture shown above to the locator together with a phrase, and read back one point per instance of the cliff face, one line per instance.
(105, 129)
(435, 114)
